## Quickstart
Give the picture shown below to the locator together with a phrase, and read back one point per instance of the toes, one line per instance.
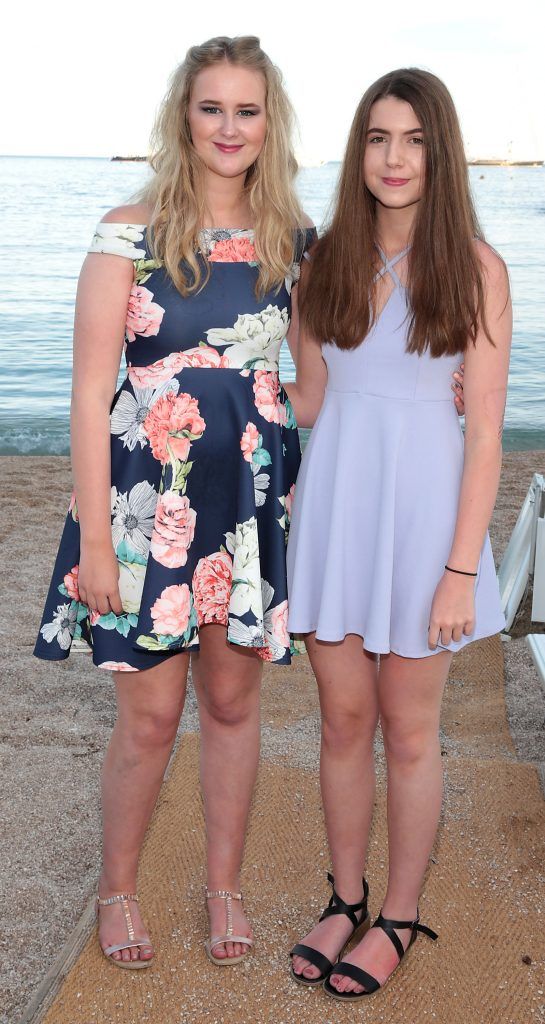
(126, 955)
(146, 952)
(116, 956)
(311, 972)
(219, 952)
(230, 949)
(134, 954)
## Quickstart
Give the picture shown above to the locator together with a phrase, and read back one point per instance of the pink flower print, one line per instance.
(157, 373)
(71, 583)
(169, 419)
(144, 317)
(266, 653)
(289, 500)
(233, 250)
(171, 611)
(173, 531)
(212, 588)
(249, 441)
(94, 616)
(279, 624)
(205, 355)
(117, 666)
(266, 390)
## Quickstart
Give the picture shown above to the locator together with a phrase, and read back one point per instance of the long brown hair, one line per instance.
(176, 192)
(445, 286)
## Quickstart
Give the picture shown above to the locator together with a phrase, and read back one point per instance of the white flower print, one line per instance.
(63, 626)
(243, 545)
(118, 239)
(292, 277)
(131, 585)
(127, 418)
(274, 622)
(247, 636)
(254, 340)
(261, 483)
(133, 516)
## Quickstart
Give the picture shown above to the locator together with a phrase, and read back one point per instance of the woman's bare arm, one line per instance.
(485, 390)
(307, 393)
(99, 326)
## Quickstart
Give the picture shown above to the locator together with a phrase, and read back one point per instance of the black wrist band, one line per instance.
(460, 572)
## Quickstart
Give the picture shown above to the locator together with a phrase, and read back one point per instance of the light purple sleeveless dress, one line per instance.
(376, 498)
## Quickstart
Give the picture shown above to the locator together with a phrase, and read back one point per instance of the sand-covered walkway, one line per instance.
(485, 890)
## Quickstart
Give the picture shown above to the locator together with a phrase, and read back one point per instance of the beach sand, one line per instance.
(57, 717)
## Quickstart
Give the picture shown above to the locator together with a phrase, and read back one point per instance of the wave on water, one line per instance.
(43, 436)
(51, 436)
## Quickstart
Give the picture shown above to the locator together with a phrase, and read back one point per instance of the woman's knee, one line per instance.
(409, 742)
(150, 728)
(346, 728)
(229, 704)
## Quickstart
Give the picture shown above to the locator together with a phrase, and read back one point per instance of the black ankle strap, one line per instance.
(338, 906)
(388, 925)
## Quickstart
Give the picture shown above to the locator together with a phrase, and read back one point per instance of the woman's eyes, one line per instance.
(414, 138)
(217, 110)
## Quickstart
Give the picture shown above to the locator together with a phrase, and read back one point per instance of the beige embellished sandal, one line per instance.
(216, 940)
(133, 942)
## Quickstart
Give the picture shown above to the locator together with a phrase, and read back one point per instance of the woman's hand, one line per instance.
(98, 578)
(458, 388)
(452, 611)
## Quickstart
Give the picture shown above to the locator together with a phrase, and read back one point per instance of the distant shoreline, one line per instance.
(470, 163)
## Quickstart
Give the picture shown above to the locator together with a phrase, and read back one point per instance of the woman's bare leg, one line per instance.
(410, 695)
(149, 705)
(347, 683)
(227, 681)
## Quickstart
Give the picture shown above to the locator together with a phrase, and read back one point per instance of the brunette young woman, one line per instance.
(390, 569)
(175, 540)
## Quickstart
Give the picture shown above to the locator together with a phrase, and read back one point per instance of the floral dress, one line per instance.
(204, 457)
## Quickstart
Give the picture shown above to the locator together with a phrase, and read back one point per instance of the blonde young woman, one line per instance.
(393, 499)
(174, 545)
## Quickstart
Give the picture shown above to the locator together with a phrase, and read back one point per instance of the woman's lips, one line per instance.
(223, 148)
(396, 182)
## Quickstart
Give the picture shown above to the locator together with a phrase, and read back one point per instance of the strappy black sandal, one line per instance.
(336, 906)
(362, 977)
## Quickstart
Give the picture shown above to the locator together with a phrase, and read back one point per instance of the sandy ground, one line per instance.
(56, 719)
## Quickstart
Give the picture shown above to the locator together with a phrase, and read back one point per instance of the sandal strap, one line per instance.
(314, 957)
(216, 940)
(338, 906)
(388, 926)
(108, 950)
(119, 898)
(358, 975)
(224, 894)
(124, 899)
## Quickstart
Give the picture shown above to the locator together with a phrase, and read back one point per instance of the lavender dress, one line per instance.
(377, 496)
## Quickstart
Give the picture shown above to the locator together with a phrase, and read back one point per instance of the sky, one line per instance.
(85, 79)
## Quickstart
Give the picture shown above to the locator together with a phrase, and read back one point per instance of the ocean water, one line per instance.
(51, 206)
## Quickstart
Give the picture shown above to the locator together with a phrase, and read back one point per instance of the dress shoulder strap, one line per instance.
(119, 240)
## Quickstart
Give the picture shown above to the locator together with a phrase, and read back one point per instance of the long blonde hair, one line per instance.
(176, 192)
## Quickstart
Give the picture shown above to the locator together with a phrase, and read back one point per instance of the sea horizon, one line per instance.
(52, 205)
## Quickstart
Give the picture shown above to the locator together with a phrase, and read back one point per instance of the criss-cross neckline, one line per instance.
(389, 264)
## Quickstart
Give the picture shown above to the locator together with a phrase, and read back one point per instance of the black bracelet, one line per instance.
(460, 572)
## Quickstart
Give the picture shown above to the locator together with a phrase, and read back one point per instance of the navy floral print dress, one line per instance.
(204, 457)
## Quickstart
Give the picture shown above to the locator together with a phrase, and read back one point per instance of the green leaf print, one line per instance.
(144, 268)
(149, 644)
(261, 456)
(126, 553)
(179, 482)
